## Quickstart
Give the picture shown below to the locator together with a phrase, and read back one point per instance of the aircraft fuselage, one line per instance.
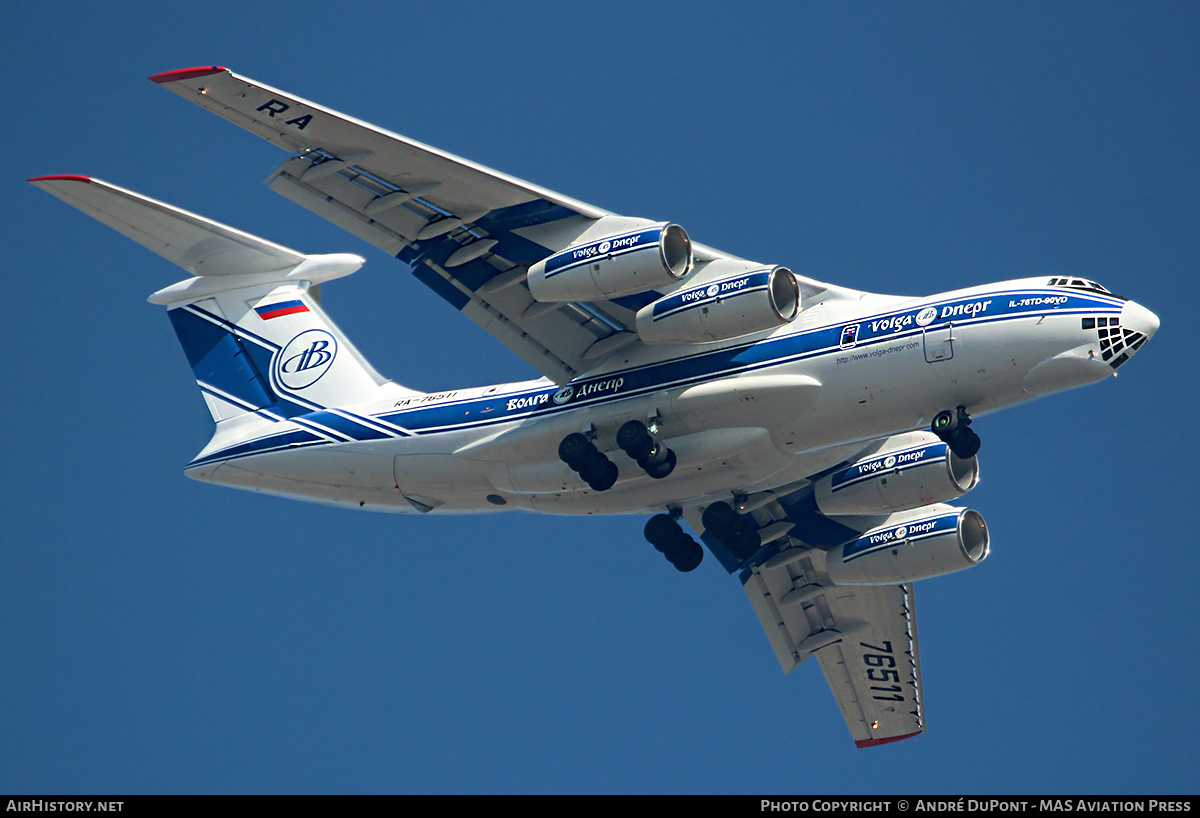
(770, 408)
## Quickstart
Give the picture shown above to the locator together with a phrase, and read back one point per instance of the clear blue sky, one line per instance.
(162, 635)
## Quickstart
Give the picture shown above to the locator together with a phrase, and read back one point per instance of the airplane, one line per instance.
(812, 435)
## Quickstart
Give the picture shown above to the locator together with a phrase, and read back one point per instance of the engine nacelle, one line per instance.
(722, 308)
(910, 471)
(912, 545)
(622, 264)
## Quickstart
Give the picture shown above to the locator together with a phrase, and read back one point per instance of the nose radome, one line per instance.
(1139, 319)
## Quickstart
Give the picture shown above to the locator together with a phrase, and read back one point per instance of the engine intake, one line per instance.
(912, 545)
(616, 265)
(727, 307)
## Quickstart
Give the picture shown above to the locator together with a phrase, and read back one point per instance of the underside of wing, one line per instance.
(828, 564)
(472, 234)
(864, 636)
(875, 671)
(198, 245)
(462, 227)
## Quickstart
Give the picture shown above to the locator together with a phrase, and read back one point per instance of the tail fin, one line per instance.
(247, 320)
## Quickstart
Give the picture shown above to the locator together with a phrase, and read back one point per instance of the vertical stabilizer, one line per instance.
(253, 333)
(270, 347)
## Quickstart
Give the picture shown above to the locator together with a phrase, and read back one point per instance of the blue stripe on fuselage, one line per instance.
(728, 361)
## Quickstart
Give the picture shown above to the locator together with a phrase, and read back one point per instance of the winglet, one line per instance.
(875, 742)
(66, 177)
(186, 73)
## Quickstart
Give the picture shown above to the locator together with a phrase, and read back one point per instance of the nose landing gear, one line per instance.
(667, 536)
(952, 427)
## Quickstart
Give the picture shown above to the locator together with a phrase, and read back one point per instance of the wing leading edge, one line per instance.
(468, 232)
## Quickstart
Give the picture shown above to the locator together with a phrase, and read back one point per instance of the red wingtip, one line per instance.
(186, 73)
(60, 178)
(875, 742)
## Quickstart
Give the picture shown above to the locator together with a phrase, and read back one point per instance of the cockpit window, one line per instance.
(1081, 284)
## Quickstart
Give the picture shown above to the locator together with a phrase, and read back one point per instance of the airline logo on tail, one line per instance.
(305, 359)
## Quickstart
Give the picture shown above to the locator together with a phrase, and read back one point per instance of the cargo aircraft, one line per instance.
(812, 435)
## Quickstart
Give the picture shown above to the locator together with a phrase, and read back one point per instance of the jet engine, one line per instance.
(910, 471)
(622, 264)
(723, 308)
(912, 545)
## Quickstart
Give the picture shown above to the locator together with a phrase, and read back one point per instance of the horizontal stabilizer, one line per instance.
(201, 246)
(248, 320)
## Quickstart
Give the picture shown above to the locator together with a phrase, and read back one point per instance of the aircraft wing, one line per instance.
(863, 636)
(468, 232)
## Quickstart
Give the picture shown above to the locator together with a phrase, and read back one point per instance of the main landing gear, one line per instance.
(634, 438)
(953, 428)
(665, 534)
(640, 444)
(737, 534)
(582, 456)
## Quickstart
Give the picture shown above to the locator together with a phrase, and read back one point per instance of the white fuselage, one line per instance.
(760, 411)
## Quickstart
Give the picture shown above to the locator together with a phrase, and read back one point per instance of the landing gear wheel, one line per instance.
(591, 464)
(953, 428)
(665, 534)
(593, 467)
(660, 470)
(968, 446)
(737, 533)
(945, 424)
(651, 455)
(687, 556)
(747, 542)
(661, 530)
(720, 519)
(574, 448)
(605, 479)
(632, 437)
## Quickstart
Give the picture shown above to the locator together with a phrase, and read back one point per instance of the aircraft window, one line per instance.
(1089, 323)
(1082, 284)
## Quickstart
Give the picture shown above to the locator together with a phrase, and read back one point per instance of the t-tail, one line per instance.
(248, 320)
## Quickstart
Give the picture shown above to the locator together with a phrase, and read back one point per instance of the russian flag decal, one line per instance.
(281, 308)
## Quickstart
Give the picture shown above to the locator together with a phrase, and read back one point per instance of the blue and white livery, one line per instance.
(812, 435)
